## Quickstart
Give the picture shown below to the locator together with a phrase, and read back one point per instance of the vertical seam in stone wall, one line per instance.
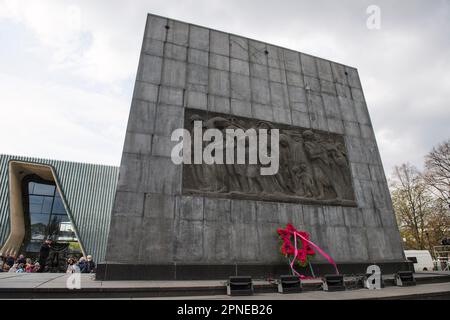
(286, 85)
(186, 71)
(339, 104)
(230, 88)
(366, 236)
(337, 101)
(266, 54)
(321, 96)
(147, 24)
(307, 93)
(208, 97)
(158, 94)
(144, 206)
(250, 79)
(203, 229)
(258, 235)
(184, 102)
(348, 83)
(161, 81)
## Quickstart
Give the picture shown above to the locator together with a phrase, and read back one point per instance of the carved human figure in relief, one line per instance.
(270, 184)
(305, 181)
(218, 173)
(242, 177)
(196, 170)
(284, 176)
(298, 151)
(339, 167)
(235, 183)
(320, 163)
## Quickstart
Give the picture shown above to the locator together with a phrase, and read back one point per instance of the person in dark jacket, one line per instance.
(90, 265)
(22, 260)
(44, 254)
(82, 265)
(10, 260)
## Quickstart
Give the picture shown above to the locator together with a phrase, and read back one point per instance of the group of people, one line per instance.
(10, 263)
(19, 265)
(83, 265)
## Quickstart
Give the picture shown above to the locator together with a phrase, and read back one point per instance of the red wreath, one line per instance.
(304, 251)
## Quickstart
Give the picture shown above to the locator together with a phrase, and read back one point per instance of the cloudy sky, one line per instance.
(67, 68)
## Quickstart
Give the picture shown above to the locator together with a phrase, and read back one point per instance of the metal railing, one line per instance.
(442, 254)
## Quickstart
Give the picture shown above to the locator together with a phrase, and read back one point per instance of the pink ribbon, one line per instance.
(325, 255)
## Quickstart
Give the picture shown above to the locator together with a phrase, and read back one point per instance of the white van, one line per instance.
(421, 258)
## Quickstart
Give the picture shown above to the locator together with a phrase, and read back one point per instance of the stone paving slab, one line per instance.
(386, 293)
(59, 280)
(425, 291)
(47, 280)
(31, 286)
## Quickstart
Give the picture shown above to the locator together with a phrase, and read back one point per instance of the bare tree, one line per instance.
(437, 172)
(411, 203)
(421, 201)
(438, 224)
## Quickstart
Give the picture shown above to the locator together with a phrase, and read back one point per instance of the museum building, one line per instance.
(67, 202)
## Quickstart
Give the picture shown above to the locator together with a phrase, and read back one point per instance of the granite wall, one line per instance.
(187, 66)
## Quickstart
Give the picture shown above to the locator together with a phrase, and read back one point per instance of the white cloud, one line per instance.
(56, 26)
(55, 121)
(79, 43)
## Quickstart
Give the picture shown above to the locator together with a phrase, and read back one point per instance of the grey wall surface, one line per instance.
(88, 192)
(187, 66)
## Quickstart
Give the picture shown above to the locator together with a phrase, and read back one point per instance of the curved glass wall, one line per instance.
(46, 217)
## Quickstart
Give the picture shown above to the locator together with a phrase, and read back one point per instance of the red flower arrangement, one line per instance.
(303, 254)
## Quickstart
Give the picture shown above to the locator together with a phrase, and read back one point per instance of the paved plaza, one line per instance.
(41, 286)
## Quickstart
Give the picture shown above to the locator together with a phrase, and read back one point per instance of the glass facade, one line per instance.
(46, 217)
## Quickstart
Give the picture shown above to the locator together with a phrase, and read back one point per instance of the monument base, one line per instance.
(115, 271)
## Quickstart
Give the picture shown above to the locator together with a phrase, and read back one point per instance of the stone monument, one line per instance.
(199, 221)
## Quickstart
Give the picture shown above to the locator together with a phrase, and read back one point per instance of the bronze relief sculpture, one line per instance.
(313, 166)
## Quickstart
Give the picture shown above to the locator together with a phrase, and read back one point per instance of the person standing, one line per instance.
(29, 266)
(22, 260)
(36, 268)
(10, 261)
(44, 254)
(82, 264)
(20, 268)
(90, 265)
(13, 269)
(72, 266)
